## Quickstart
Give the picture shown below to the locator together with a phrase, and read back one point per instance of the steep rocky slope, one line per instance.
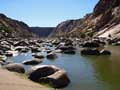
(42, 31)
(103, 21)
(13, 28)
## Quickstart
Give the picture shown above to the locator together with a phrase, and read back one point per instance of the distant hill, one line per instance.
(102, 22)
(13, 28)
(42, 31)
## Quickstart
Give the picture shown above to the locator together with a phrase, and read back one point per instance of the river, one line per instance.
(86, 72)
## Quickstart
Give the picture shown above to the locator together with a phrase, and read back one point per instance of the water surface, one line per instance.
(86, 72)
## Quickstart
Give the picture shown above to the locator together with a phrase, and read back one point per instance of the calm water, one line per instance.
(86, 72)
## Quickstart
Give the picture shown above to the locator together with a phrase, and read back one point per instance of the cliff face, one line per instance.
(13, 28)
(104, 20)
(42, 31)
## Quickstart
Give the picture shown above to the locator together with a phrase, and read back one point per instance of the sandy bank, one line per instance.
(11, 81)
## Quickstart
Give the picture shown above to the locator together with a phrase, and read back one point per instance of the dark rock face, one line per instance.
(102, 6)
(42, 31)
(2, 16)
(15, 67)
(49, 74)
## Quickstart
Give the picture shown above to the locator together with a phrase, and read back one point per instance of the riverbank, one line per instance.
(11, 81)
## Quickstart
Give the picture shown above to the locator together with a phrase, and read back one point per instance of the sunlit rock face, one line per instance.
(105, 16)
(13, 28)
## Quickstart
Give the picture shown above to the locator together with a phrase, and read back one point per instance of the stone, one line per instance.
(32, 62)
(35, 49)
(38, 56)
(15, 67)
(36, 72)
(69, 52)
(90, 52)
(57, 80)
(8, 54)
(49, 74)
(105, 52)
(51, 55)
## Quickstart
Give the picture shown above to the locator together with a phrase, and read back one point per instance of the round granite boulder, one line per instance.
(32, 62)
(57, 80)
(15, 67)
(49, 74)
(51, 55)
(90, 52)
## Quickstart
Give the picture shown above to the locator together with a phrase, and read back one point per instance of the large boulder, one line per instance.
(24, 50)
(64, 48)
(105, 52)
(36, 72)
(91, 44)
(15, 67)
(38, 56)
(90, 52)
(51, 55)
(95, 52)
(32, 62)
(35, 49)
(69, 52)
(49, 74)
(57, 80)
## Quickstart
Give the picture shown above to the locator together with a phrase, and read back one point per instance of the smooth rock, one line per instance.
(15, 67)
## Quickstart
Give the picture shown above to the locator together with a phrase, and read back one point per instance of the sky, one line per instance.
(46, 13)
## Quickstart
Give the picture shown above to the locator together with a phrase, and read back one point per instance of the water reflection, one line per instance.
(107, 68)
(86, 72)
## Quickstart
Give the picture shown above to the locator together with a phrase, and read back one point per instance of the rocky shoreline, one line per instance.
(51, 75)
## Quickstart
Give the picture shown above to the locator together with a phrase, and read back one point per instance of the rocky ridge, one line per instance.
(103, 22)
(13, 28)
